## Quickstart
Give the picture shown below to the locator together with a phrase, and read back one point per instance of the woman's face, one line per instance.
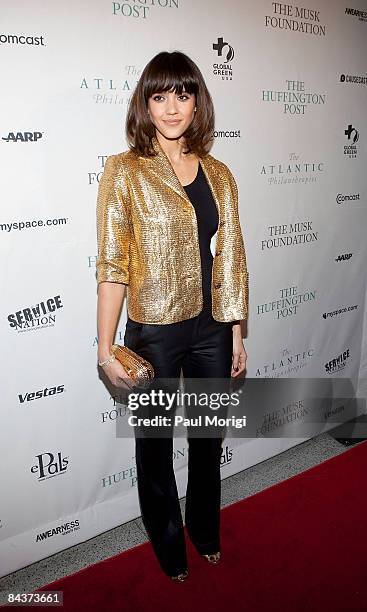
(171, 113)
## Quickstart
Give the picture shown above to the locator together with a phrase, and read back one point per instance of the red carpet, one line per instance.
(297, 546)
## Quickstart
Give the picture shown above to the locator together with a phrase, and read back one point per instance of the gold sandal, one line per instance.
(181, 577)
(214, 558)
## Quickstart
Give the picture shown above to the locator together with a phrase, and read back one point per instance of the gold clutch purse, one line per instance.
(138, 368)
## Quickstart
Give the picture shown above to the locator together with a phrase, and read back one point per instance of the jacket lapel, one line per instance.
(164, 169)
(211, 175)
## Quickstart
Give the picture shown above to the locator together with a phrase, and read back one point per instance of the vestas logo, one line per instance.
(28, 397)
(22, 137)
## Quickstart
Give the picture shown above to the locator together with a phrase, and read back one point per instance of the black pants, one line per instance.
(202, 347)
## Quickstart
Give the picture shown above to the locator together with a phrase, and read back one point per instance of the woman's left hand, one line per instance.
(239, 356)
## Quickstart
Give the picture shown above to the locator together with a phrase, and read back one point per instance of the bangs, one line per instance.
(170, 76)
(177, 72)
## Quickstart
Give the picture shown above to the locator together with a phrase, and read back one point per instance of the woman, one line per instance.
(164, 208)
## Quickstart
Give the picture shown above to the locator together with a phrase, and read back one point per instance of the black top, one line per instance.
(207, 217)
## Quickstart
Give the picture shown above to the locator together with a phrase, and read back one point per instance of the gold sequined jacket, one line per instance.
(147, 238)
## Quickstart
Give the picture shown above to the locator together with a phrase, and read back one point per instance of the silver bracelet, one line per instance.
(109, 360)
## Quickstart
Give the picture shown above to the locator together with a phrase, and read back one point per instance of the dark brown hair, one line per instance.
(170, 71)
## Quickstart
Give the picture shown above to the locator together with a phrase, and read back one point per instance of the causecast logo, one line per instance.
(353, 78)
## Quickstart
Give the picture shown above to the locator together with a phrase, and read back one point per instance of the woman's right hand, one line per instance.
(118, 375)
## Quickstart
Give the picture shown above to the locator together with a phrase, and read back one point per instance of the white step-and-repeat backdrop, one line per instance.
(289, 86)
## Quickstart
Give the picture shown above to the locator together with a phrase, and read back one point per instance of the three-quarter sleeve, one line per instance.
(113, 225)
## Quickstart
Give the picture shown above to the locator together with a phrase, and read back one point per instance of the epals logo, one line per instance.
(226, 456)
(224, 69)
(48, 465)
(338, 363)
(39, 316)
(22, 137)
(343, 257)
(28, 397)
